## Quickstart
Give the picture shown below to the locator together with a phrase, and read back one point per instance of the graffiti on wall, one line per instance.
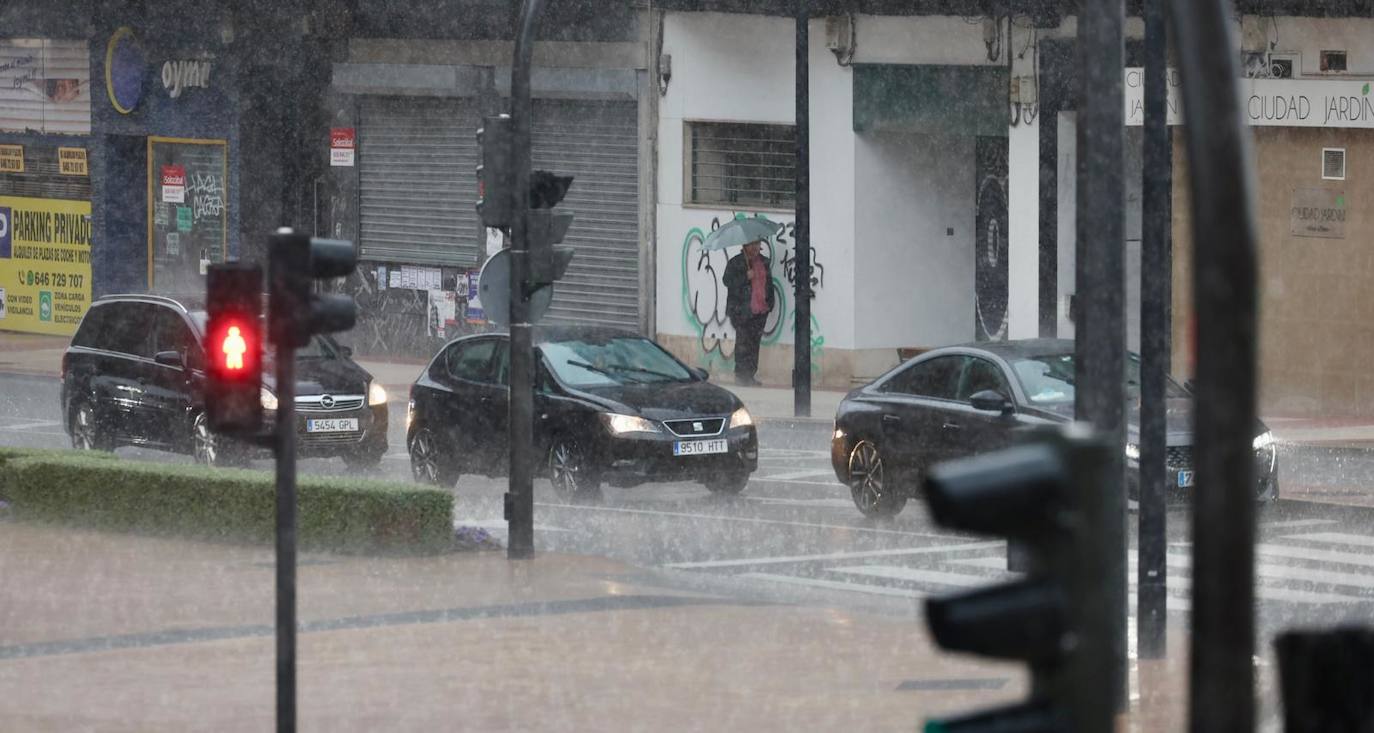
(704, 294)
(990, 268)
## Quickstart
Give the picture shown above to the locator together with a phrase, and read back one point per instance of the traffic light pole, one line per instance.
(1221, 179)
(1100, 348)
(801, 328)
(285, 440)
(520, 497)
(1155, 292)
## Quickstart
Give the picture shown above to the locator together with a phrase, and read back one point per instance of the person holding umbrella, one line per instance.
(749, 293)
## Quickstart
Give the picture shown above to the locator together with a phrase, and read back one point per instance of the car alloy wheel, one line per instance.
(569, 472)
(207, 449)
(85, 432)
(424, 457)
(867, 482)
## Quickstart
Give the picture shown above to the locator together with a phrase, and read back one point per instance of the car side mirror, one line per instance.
(990, 400)
(346, 352)
(170, 358)
(701, 374)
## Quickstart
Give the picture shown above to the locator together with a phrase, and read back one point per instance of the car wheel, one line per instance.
(364, 460)
(86, 431)
(570, 471)
(210, 449)
(428, 464)
(873, 494)
(728, 483)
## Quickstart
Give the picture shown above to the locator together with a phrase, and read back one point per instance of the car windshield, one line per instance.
(1048, 380)
(613, 361)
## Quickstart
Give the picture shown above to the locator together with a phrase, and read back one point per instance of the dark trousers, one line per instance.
(748, 333)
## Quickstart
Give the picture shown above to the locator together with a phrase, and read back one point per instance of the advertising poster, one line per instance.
(475, 315)
(45, 264)
(45, 86)
(443, 308)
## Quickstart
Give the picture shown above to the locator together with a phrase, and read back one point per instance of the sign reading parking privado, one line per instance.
(45, 264)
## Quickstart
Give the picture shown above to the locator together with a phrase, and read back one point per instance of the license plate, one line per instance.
(700, 447)
(332, 425)
(1185, 479)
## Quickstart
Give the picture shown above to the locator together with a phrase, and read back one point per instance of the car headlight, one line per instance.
(410, 414)
(1132, 452)
(1264, 440)
(269, 400)
(376, 395)
(621, 424)
(741, 418)
(839, 433)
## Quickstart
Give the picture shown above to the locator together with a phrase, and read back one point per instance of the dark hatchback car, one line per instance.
(134, 374)
(958, 401)
(609, 406)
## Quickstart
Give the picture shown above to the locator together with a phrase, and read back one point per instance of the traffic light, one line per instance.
(548, 259)
(296, 313)
(233, 359)
(1046, 496)
(495, 176)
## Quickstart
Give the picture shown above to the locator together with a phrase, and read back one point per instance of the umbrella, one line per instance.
(739, 232)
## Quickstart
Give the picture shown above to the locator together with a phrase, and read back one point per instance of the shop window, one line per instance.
(741, 164)
(1333, 164)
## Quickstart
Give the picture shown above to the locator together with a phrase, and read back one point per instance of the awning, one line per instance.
(950, 100)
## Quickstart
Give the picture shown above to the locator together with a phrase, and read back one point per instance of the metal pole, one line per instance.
(1101, 280)
(1220, 179)
(1155, 291)
(520, 499)
(801, 326)
(286, 536)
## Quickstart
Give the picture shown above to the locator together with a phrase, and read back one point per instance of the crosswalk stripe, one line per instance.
(1267, 570)
(1297, 523)
(1309, 553)
(932, 549)
(835, 585)
(1333, 538)
(918, 575)
(809, 473)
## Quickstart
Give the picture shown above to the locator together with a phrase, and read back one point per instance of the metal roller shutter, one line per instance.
(418, 181)
(598, 144)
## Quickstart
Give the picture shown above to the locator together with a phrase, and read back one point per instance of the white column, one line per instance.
(1023, 213)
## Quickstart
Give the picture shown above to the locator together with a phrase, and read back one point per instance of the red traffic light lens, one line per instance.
(233, 348)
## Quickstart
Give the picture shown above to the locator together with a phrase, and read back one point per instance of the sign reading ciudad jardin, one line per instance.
(1334, 103)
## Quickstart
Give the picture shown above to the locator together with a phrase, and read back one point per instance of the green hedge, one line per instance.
(333, 513)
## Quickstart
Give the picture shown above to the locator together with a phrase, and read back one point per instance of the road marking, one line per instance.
(878, 590)
(33, 424)
(830, 503)
(1296, 523)
(1308, 553)
(1333, 538)
(770, 479)
(792, 453)
(918, 575)
(811, 473)
(1271, 571)
(748, 520)
(933, 549)
(499, 525)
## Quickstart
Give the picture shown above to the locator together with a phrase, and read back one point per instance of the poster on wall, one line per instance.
(188, 212)
(45, 264)
(45, 86)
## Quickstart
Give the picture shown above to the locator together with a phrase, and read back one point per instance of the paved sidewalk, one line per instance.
(123, 633)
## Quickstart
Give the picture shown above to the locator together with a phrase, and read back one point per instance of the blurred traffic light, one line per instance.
(1045, 496)
(495, 177)
(234, 347)
(297, 312)
(548, 259)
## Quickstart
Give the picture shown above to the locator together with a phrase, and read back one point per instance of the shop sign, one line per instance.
(1317, 212)
(1134, 92)
(343, 145)
(11, 158)
(125, 68)
(178, 76)
(1308, 103)
(173, 184)
(45, 264)
(72, 162)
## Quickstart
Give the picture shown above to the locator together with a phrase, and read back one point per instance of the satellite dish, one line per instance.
(493, 289)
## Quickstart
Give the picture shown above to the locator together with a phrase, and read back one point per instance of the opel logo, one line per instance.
(327, 402)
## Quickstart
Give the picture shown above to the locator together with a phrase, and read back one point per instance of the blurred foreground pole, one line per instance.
(1327, 680)
(520, 496)
(1220, 173)
(801, 325)
(1156, 274)
(1100, 344)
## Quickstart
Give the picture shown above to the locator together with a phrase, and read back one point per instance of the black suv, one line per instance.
(134, 374)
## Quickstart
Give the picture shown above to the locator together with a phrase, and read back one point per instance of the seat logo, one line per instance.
(698, 427)
(327, 402)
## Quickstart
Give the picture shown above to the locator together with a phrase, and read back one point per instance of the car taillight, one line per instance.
(66, 357)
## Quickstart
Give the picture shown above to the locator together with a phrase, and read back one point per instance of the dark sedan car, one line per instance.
(962, 400)
(134, 374)
(609, 406)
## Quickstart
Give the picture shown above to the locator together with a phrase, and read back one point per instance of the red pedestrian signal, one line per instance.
(233, 384)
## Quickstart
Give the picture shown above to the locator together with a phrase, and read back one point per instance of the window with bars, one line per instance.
(742, 164)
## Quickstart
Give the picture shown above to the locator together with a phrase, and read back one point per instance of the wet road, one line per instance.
(794, 534)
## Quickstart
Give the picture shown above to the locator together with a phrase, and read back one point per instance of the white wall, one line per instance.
(915, 278)
(739, 68)
(1023, 209)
